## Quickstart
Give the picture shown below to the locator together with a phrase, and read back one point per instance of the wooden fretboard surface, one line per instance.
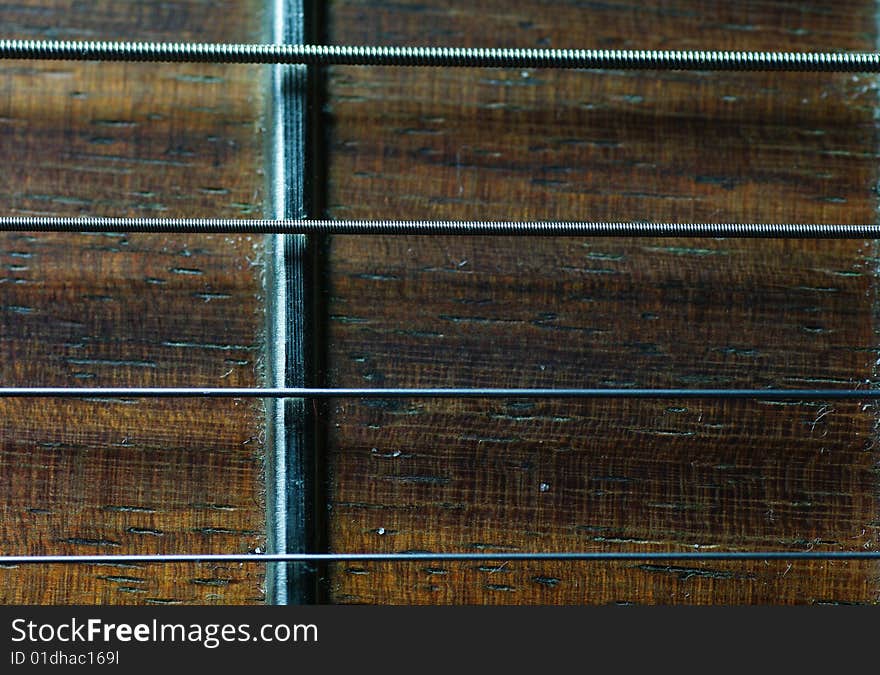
(451, 475)
(153, 476)
(414, 311)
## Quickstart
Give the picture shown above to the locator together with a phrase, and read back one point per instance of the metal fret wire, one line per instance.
(442, 56)
(288, 424)
(462, 227)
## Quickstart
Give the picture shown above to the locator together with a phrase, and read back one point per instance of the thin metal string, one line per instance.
(434, 392)
(442, 56)
(463, 227)
(423, 556)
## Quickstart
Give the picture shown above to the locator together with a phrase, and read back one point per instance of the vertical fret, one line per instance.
(290, 434)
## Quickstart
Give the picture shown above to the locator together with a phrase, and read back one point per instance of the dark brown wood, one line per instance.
(125, 476)
(492, 476)
(160, 476)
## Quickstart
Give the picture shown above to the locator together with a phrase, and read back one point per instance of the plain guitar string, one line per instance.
(442, 57)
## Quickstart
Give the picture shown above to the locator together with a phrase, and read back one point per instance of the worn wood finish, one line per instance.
(126, 476)
(450, 475)
(434, 311)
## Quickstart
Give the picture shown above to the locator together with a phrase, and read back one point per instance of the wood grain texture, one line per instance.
(436, 311)
(119, 477)
(123, 476)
